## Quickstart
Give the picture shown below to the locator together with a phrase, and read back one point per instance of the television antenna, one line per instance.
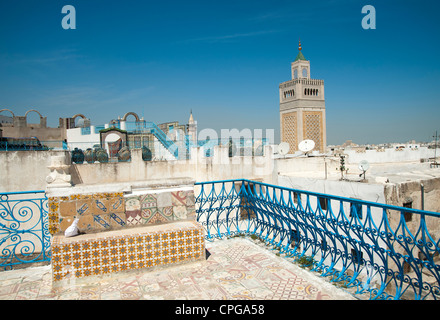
(364, 165)
(435, 148)
(306, 146)
(283, 148)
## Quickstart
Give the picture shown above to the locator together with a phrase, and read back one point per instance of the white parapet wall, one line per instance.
(390, 155)
(25, 170)
(28, 170)
(200, 168)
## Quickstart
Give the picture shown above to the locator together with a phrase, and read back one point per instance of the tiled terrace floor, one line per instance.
(236, 269)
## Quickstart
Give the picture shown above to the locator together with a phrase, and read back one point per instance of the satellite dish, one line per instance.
(364, 165)
(306, 145)
(283, 148)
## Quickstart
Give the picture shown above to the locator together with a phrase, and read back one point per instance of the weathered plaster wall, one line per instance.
(24, 170)
(27, 170)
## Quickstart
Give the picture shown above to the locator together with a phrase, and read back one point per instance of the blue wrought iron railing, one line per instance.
(24, 232)
(386, 251)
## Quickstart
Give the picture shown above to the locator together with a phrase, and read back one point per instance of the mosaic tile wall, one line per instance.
(110, 211)
(146, 247)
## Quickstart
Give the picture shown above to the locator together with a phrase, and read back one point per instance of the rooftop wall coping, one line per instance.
(158, 228)
(136, 187)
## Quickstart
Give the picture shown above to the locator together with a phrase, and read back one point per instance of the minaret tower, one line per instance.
(302, 107)
(192, 129)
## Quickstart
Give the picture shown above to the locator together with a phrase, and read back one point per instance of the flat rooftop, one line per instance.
(236, 269)
(378, 173)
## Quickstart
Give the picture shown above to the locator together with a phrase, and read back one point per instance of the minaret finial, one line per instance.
(299, 46)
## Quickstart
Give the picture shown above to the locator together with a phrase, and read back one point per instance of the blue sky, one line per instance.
(225, 60)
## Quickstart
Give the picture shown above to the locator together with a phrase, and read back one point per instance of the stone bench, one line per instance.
(101, 253)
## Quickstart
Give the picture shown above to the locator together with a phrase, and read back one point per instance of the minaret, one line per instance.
(302, 107)
(192, 129)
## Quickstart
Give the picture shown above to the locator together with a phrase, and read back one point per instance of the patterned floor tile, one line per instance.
(8, 296)
(251, 283)
(112, 295)
(30, 286)
(236, 269)
(90, 293)
(150, 287)
(71, 294)
(132, 294)
(9, 289)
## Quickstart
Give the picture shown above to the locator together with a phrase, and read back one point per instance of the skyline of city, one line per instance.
(225, 62)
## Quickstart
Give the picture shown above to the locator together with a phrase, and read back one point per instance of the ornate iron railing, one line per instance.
(24, 234)
(385, 251)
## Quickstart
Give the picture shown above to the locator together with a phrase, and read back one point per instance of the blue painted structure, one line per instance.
(362, 244)
(24, 232)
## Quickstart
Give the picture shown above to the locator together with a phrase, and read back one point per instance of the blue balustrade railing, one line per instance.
(385, 251)
(24, 232)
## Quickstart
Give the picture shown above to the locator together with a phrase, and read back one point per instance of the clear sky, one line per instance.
(225, 61)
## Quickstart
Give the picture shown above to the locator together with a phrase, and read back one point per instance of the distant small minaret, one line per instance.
(192, 128)
(302, 107)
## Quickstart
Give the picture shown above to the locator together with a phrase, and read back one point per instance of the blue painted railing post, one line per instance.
(24, 232)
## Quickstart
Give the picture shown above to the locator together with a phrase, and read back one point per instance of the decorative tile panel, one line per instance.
(164, 199)
(101, 222)
(158, 217)
(109, 252)
(117, 220)
(133, 217)
(190, 199)
(68, 208)
(110, 211)
(178, 198)
(97, 212)
(98, 206)
(115, 204)
(148, 201)
(83, 207)
(179, 212)
(148, 213)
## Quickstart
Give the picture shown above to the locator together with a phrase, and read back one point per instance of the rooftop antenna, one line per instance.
(364, 165)
(283, 148)
(306, 146)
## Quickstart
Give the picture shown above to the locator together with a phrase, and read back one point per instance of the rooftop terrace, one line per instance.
(236, 269)
(370, 249)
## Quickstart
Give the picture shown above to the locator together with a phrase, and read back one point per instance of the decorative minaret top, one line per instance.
(192, 129)
(300, 56)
